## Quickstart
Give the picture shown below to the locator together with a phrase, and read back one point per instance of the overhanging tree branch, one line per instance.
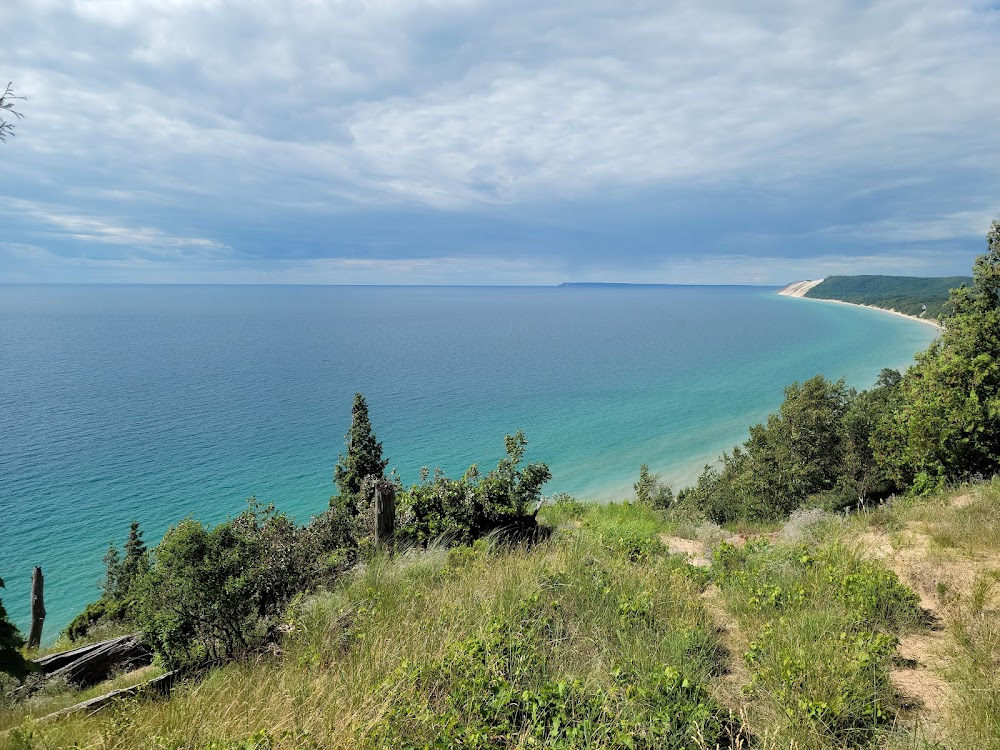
(7, 105)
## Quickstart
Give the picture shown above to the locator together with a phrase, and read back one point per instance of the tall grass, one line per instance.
(823, 628)
(595, 639)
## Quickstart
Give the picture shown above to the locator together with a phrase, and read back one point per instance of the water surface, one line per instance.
(160, 402)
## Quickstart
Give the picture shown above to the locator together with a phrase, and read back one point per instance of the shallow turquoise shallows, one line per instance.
(159, 402)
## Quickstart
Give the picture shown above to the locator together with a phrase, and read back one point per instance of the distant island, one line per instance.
(916, 296)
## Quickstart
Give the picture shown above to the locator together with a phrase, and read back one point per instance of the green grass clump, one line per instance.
(823, 626)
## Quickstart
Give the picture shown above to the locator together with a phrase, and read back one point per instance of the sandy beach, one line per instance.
(799, 289)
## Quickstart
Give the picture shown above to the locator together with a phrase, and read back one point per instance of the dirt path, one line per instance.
(694, 550)
(736, 675)
(917, 676)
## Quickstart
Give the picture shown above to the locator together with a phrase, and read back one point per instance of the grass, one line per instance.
(58, 695)
(823, 627)
(599, 638)
(965, 540)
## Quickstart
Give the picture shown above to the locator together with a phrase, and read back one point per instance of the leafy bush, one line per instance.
(11, 660)
(651, 489)
(119, 598)
(463, 510)
(221, 592)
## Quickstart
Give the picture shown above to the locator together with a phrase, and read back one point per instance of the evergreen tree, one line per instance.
(364, 454)
(125, 571)
(11, 661)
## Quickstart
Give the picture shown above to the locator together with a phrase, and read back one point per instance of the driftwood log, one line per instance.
(158, 686)
(92, 664)
(37, 609)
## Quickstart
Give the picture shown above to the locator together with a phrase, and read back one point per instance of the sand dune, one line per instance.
(799, 288)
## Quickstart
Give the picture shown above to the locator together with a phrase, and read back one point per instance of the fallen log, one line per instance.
(96, 664)
(50, 663)
(158, 685)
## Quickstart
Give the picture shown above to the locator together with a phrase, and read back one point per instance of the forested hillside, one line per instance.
(913, 295)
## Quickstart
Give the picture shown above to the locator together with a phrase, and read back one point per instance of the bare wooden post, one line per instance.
(37, 609)
(385, 512)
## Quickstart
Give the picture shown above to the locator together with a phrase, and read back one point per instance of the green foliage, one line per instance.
(364, 455)
(11, 660)
(502, 689)
(562, 508)
(118, 600)
(946, 422)
(826, 626)
(651, 490)
(799, 452)
(463, 510)
(912, 295)
(220, 593)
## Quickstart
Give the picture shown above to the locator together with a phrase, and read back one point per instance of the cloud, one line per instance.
(107, 233)
(962, 224)
(19, 262)
(852, 118)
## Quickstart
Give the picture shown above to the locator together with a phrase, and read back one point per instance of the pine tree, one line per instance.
(364, 453)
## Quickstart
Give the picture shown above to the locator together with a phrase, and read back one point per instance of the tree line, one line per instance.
(830, 446)
(913, 295)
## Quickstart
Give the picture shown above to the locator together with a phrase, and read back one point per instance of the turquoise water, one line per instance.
(159, 402)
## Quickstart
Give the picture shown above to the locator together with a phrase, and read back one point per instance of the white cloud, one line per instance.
(28, 263)
(106, 232)
(962, 224)
(207, 109)
(569, 99)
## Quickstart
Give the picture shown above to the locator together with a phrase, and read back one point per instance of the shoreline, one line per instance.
(799, 288)
(925, 321)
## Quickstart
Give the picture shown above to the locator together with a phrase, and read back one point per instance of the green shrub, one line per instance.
(11, 660)
(463, 510)
(221, 593)
(651, 489)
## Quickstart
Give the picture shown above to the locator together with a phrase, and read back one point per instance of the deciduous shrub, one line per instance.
(463, 510)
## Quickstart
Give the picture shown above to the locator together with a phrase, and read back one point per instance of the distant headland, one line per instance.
(916, 297)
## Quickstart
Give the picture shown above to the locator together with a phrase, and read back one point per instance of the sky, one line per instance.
(515, 142)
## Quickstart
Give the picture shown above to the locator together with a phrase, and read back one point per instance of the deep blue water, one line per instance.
(159, 402)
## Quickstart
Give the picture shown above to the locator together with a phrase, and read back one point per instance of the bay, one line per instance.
(159, 402)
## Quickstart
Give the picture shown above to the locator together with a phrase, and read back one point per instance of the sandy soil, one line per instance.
(798, 288)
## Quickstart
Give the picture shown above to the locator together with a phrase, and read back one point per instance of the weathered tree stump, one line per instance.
(53, 662)
(385, 512)
(37, 609)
